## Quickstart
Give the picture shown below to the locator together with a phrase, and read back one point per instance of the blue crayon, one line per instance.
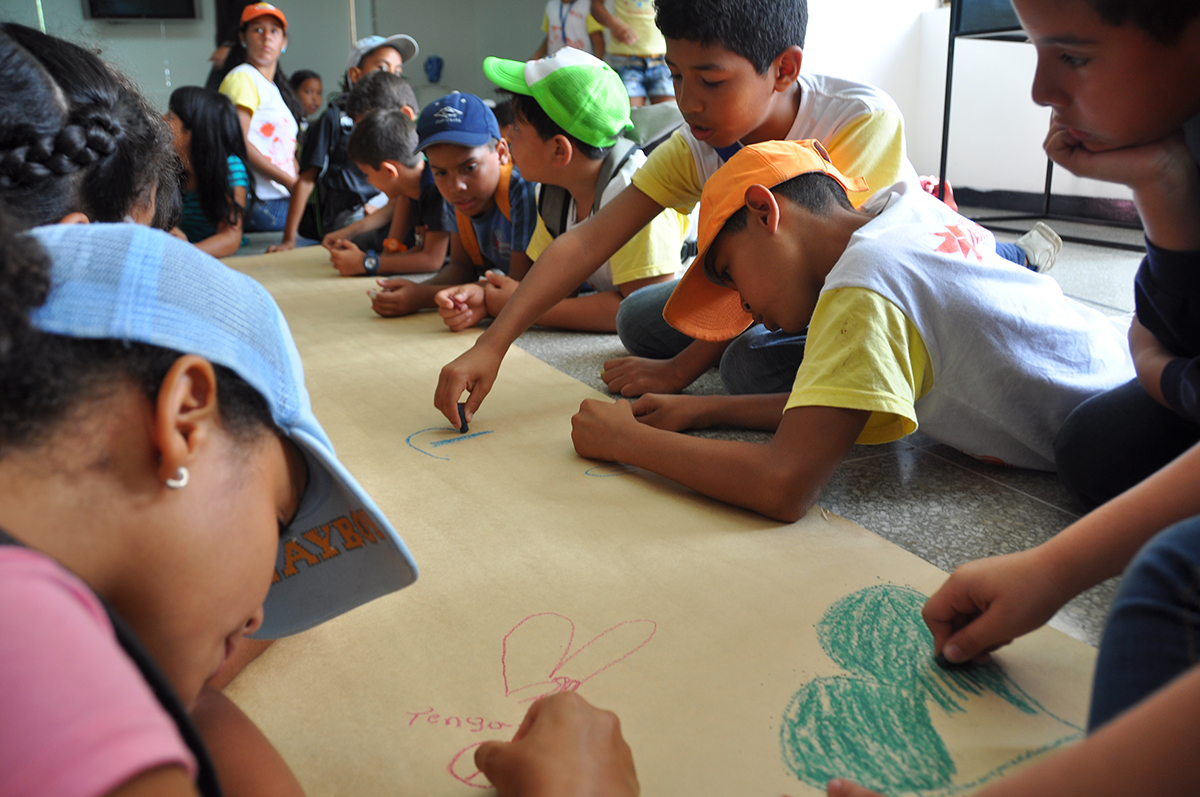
(462, 417)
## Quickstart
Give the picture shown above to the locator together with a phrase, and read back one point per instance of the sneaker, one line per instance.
(1041, 245)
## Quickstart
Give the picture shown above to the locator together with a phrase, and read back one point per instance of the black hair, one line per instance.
(503, 109)
(74, 135)
(297, 79)
(529, 110)
(216, 134)
(168, 197)
(237, 57)
(815, 191)
(386, 134)
(757, 30)
(1163, 20)
(46, 378)
(379, 90)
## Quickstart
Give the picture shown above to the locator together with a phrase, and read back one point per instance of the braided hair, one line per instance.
(75, 136)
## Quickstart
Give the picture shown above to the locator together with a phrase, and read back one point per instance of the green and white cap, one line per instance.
(575, 89)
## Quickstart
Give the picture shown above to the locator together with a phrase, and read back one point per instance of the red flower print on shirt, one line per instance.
(957, 240)
(267, 130)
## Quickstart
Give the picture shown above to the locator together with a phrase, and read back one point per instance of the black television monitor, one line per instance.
(140, 9)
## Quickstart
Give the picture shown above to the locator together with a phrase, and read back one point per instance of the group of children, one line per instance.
(138, 428)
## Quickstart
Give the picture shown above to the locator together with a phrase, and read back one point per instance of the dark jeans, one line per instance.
(1153, 630)
(757, 361)
(267, 215)
(1116, 439)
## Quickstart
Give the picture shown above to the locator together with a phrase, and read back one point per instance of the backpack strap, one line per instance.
(164, 692)
(554, 203)
(613, 162)
(466, 232)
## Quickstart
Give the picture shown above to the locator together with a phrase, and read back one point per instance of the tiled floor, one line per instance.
(928, 498)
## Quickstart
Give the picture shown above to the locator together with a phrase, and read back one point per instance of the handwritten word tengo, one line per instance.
(473, 724)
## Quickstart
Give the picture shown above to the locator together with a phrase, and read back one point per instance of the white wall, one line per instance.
(899, 45)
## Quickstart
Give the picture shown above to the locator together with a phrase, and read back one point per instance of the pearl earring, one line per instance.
(180, 480)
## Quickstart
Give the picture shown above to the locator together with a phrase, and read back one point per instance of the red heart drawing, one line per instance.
(539, 658)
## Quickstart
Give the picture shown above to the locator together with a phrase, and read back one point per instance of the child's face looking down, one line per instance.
(722, 98)
(767, 267)
(1110, 86)
(310, 95)
(467, 176)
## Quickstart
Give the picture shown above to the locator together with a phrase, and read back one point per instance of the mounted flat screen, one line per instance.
(140, 9)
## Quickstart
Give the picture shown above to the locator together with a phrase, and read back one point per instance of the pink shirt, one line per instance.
(76, 717)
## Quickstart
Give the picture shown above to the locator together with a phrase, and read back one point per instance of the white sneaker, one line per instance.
(1041, 245)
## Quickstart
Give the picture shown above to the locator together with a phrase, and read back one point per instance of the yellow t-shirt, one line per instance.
(652, 252)
(639, 15)
(863, 353)
(240, 89)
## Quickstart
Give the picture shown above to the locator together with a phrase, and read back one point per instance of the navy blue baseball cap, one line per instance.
(457, 118)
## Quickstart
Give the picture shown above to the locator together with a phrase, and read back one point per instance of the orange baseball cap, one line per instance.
(262, 10)
(707, 310)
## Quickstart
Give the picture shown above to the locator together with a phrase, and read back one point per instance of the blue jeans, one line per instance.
(267, 215)
(1011, 252)
(757, 361)
(1153, 630)
(643, 77)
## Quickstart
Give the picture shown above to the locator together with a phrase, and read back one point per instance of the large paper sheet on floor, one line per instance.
(743, 656)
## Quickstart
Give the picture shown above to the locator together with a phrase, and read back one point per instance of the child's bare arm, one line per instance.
(598, 43)
(763, 411)
(560, 269)
(228, 237)
(780, 479)
(425, 259)
(246, 762)
(620, 31)
(990, 602)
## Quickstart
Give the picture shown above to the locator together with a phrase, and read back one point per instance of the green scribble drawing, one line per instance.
(873, 725)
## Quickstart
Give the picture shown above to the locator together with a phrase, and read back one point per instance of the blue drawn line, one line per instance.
(408, 440)
(458, 439)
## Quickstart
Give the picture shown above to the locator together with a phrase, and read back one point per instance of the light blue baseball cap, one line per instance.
(134, 283)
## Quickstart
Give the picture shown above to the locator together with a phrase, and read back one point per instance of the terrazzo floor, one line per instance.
(928, 498)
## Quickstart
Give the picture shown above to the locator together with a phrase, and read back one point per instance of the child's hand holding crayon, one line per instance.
(564, 746)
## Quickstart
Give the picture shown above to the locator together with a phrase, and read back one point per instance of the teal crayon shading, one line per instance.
(873, 725)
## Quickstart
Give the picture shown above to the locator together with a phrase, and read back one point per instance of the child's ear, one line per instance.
(353, 74)
(409, 112)
(391, 167)
(763, 207)
(185, 413)
(786, 67)
(563, 151)
(502, 151)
